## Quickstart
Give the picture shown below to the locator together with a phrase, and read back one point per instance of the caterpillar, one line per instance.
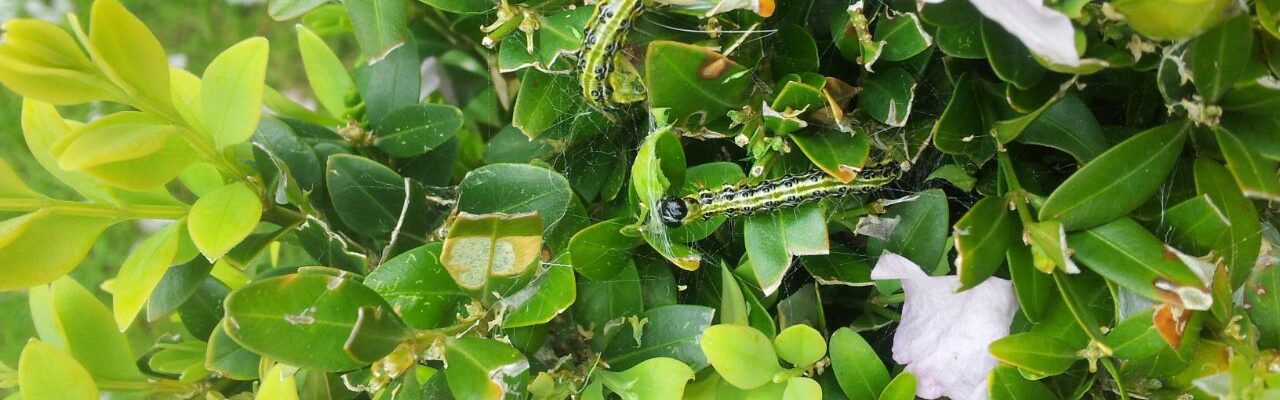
(607, 78)
(768, 196)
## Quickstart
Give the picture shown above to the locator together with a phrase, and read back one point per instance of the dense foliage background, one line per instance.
(453, 199)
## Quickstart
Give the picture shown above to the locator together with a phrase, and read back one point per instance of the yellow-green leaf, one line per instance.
(130, 150)
(480, 248)
(129, 55)
(42, 246)
(224, 217)
(231, 92)
(46, 373)
(12, 186)
(41, 61)
(278, 385)
(141, 272)
(329, 79)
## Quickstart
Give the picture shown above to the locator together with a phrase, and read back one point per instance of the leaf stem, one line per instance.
(1115, 376)
(94, 210)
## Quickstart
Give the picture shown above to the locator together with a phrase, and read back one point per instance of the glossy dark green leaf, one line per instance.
(1217, 58)
(484, 369)
(1195, 225)
(796, 53)
(513, 189)
(551, 292)
(1010, 59)
(857, 367)
(962, 41)
(773, 238)
(229, 359)
(961, 130)
(1126, 253)
(368, 196)
(312, 320)
(418, 287)
(904, 37)
(802, 307)
(1135, 337)
(380, 25)
(842, 267)
(278, 140)
(202, 312)
(688, 80)
(1034, 289)
(608, 301)
(178, 283)
(839, 154)
(416, 129)
(1242, 242)
(1262, 296)
(888, 94)
(982, 237)
(921, 232)
(949, 13)
(1259, 133)
(1118, 181)
(551, 107)
(672, 331)
(601, 250)
(329, 248)
(559, 33)
(1256, 175)
(462, 6)
(391, 83)
(1068, 125)
(1037, 355)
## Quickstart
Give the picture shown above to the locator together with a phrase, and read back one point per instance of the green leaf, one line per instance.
(742, 355)
(981, 238)
(380, 25)
(231, 92)
(921, 232)
(773, 238)
(392, 83)
(1067, 125)
(45, 372)
(514, 189)
(606, 302)
(70, 318)
(1196, 225)
(956, 175)
(1156, 19)
(278, 385)
(314, 321)
(481, 250)
(796, 52)
(839, 154)
(417, 285)
(1034, 288)
(1255, 175)
(142, 271)
(1126, 253)
(1262, 296)
(857, 367)
(281, 10)
(373, 200)
(559, 33)
(177, 285)
(904, 37)
(1118, 181)
(223, 218)
(130, 150)
(962, 41)
(1036, 354)
(689, 80)
(601, 250)
(654, 379)
(40, 247)
(960, 130)
(329, 78)
(40, 61)
(552, 107)
(128, 54)
(669, 331)
(1136, 337)
(202, 312)
(734, 309)
(483, 369)
(1218, 57)
(902, 387)
(800, 345)
(228, 358)
(706, 176)
(1009, 58)
(1005, 383)
(416, 129)
(801, 388)
(549, 294)
(888, 95)
(1241, 244)
(462, 6)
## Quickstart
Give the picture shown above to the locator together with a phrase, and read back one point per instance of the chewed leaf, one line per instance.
(479, 247)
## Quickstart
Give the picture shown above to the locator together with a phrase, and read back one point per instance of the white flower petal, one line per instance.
(1044, 30)
(943, 336)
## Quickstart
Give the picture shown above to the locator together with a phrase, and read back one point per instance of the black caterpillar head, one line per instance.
(671, 211)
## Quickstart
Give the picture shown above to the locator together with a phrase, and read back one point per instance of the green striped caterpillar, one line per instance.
(768, 196)
(607, 78)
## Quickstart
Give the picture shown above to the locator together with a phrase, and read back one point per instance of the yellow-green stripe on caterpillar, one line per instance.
(768, 196)
(607, 78)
